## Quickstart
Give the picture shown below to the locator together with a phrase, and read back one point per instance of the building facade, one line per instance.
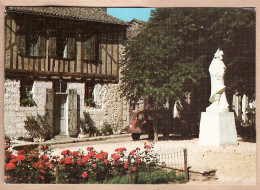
(60, 62)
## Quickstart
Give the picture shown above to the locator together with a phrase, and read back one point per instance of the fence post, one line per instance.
(186, 164)
(130, 170)
(57, 174)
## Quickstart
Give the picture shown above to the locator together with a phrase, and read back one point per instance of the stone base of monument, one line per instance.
(217, 129)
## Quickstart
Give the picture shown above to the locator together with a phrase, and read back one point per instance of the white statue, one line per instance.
(218, 98)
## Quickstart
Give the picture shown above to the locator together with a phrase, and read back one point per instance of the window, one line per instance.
(26, 93)
(62, 47)
(32, 44)
(89, 94)
(90, 47)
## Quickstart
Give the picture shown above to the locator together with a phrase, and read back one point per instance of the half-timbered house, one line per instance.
(62, 61)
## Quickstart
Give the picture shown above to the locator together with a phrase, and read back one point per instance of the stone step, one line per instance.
(61, 137)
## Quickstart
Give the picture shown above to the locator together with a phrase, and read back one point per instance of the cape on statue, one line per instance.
(218, 97)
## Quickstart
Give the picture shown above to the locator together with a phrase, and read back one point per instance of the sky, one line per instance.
(127, 14)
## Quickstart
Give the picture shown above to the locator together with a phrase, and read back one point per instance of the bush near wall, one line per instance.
(39, 166)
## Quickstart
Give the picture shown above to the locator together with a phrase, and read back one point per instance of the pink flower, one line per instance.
(84, 175)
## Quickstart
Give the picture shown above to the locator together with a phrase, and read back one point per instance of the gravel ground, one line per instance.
(234, 164)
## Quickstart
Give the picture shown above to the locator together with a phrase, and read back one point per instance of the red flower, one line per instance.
(91, 154)
(31, 152)
(40, 166)
(64, 152)
(47, 163)
(144, 143)
(137, 160)
(99, 156)
(42, 177)
(137, 148)
(126, 165)
(42, 171)
(84, 175)
(147, 147)
(42, 156)
(106, 162)
(20, 157)
(7, 140)
(132, 152)
(85, 159)
(75, 154)
(20, 152)
(45, 158)
(115, 156)
(57, 157)
(13, 161)
(6, 147)
(10, 166)
(104, 154)
(134, 168)
(67, 160)
(93, 165)
(90, 148)
(79, 163)
(120, 149)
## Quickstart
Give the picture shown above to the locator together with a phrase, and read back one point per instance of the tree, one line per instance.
(171, 55)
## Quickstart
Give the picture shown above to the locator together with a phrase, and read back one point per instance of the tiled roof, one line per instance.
(81, 13)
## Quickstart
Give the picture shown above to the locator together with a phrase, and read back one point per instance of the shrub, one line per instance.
(107, 129)
(87, 124)
(37, 126)
(39, 166)
(28, 102)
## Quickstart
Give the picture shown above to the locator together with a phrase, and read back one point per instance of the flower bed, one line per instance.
(39, 166)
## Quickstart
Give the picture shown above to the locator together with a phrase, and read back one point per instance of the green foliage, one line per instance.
(87, 124)
(37, 126)
(107, 129)
(28, 102)
(173, 52)
(171, 56)
(153, 177)
(90, 102)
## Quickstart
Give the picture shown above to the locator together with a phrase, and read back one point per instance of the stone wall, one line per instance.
(109, 105)
(14, 114)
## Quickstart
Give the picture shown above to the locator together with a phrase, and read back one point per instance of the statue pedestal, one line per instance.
(217, 129)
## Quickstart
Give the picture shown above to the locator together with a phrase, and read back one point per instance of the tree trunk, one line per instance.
(155, 127)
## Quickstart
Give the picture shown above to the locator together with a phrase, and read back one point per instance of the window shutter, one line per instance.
(71, 48)
(52, 46)
(88, 48)
(41, 46)
(21, 44)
